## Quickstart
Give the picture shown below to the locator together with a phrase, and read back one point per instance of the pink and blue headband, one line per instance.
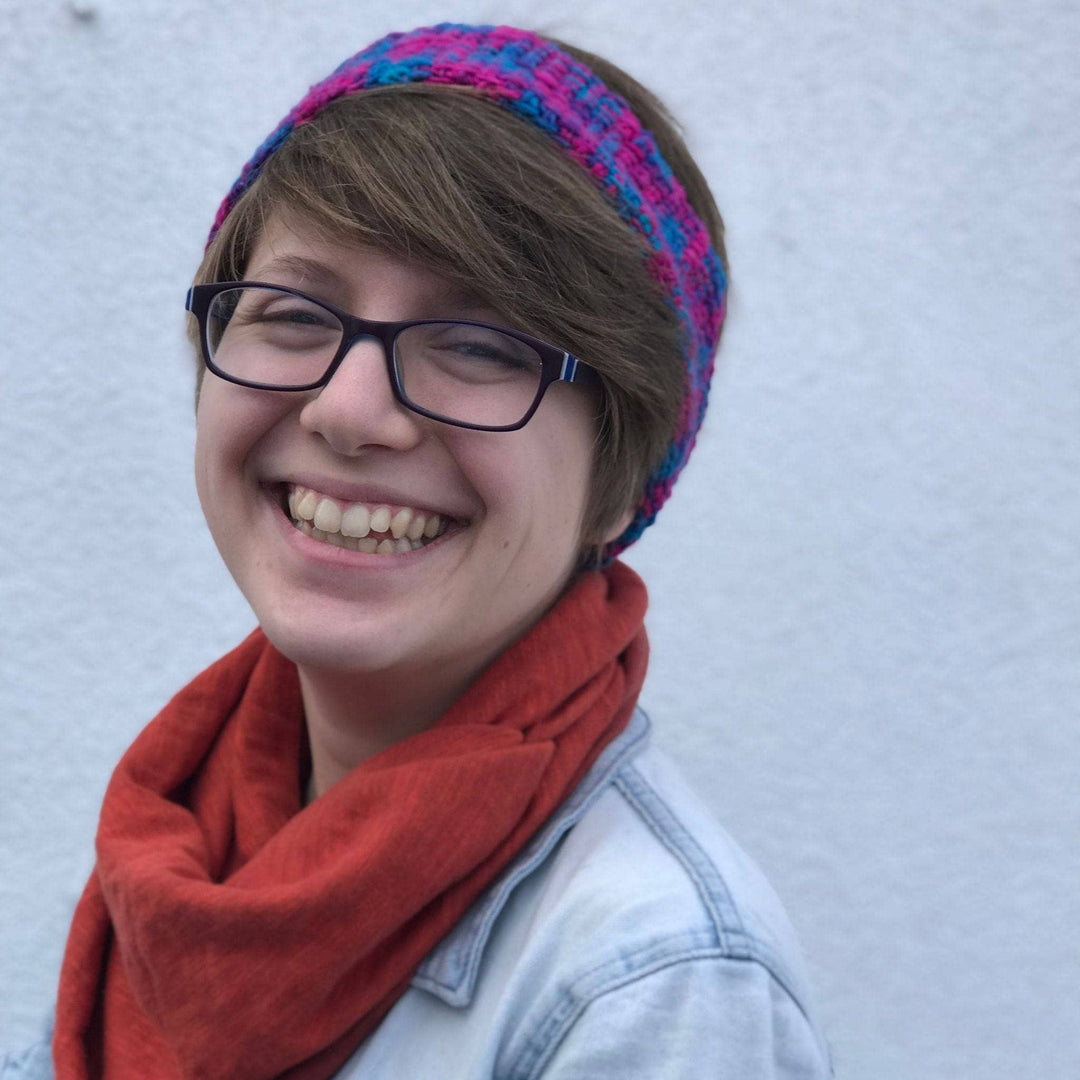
(537, 81)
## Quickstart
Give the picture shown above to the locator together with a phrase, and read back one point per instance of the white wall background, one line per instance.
(866, 592)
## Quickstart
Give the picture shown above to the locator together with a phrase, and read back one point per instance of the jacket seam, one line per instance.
(657, 814)
(572, 1004)
(702, 871)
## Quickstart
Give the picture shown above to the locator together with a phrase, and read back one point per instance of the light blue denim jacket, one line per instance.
(631, 939)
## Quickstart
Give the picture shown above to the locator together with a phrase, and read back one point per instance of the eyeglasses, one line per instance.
(270, 337)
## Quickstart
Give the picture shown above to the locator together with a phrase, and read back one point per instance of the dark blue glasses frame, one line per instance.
(557, 365)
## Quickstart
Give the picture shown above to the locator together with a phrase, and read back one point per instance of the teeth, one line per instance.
(327, 516)
(322, 518)
(400, 523)
(356, 521)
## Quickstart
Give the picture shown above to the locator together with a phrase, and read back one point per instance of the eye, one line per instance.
(473, 374)
(284, 309)
(469, 351)
(270, 336)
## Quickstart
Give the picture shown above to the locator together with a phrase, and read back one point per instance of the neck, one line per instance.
(352, 716)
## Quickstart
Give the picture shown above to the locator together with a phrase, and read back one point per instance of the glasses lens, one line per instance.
(269, 336)
(469, 373)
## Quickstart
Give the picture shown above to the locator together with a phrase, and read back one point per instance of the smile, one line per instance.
(374, 529)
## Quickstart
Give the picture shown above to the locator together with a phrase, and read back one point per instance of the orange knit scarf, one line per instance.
(229, 932)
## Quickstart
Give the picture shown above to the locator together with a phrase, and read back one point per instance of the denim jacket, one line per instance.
(631, 939)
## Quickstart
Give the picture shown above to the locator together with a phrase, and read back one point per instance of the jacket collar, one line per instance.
(450, 970)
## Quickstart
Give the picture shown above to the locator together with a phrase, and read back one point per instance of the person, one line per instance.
(456, 322)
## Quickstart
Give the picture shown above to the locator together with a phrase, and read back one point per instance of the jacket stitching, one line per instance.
(550, 1034)
(706, 877)
(702, 871)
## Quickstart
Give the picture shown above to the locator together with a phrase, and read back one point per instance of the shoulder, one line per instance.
(634, 938)
(668, 861)
(654, 938)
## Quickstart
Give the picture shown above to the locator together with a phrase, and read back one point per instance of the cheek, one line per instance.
(229, 424)
(204, 448)
(537, 480)
(230, 420)
(211, 461)
(214, 439)
(569, 448)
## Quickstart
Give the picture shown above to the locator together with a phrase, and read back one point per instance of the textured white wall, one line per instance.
(866, 592)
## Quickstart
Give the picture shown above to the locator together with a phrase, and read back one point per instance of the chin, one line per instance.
(350, 647)
(326, 648)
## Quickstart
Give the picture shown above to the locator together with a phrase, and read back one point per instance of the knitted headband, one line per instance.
(537, 81)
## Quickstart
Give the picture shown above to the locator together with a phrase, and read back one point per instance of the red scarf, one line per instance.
(229, 932)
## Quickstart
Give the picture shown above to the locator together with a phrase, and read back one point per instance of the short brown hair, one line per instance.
(442, 175)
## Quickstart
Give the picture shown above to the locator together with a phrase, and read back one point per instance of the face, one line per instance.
(506, 508)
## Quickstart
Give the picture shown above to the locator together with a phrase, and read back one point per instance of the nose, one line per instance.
(357, 409)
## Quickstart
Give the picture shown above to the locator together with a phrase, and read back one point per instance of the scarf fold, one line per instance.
(228, 931)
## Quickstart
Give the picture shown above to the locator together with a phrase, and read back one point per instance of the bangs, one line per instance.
(445, 177)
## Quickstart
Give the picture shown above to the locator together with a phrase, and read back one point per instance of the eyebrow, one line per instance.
(456, 296)
(464, 302)
(303, 269)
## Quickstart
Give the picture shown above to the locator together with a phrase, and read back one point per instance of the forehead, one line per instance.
(290, 252)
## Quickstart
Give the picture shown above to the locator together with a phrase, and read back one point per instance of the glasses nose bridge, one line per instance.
(355, 330)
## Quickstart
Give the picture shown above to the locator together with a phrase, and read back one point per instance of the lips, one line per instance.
(371, 528)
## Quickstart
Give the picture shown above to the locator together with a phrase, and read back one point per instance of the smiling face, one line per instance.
(298, 487)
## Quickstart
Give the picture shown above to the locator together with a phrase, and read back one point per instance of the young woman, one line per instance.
(457, 320)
